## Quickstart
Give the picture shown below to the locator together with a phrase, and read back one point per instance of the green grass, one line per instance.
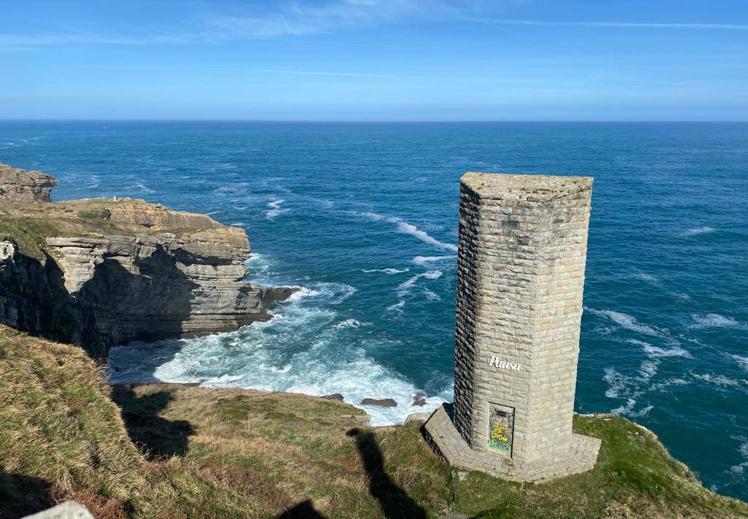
(29, 234)
(95, 214)
(178, 452)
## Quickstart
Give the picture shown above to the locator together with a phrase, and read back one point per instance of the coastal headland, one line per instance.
(96, 273)
(102, 272)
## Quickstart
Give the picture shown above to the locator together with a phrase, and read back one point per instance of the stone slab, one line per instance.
(441, 434)
(66, 510)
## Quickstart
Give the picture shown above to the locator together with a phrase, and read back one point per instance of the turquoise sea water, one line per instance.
(364, 218)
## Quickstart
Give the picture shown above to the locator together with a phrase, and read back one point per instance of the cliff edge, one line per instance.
(169, 451)
(104, 272)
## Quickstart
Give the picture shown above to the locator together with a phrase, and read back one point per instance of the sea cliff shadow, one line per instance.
(150, 305)
(394, 501)
(114, 306)
(23, 495)
(157, 437)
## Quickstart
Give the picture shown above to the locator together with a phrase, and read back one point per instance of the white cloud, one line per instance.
(614, 24)
(297, 19)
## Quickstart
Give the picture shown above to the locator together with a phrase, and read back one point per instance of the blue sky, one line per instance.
(375, 59)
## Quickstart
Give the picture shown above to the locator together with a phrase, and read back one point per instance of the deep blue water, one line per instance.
(364, 217)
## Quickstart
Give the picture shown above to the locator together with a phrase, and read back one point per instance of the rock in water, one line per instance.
(19, 185)
(380, 402)
(104, 272)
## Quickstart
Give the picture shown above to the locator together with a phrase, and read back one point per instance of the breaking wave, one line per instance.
(695, 231)
(627, 321)
(423, 261)
(408, 228)
(275, 209)
(297, 350)
(406, 286)
(713, 321)
(388, 271)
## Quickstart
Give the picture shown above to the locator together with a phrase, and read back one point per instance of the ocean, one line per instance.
(363, 217)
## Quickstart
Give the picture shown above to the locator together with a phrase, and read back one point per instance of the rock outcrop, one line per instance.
(105, 272)
(19, 185)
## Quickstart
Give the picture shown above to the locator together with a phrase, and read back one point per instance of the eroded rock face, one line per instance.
(112, 271)
(19, 185)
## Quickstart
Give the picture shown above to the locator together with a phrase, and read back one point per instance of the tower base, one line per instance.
(447, 442)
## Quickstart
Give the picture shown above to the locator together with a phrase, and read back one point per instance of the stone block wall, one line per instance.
(521, 260)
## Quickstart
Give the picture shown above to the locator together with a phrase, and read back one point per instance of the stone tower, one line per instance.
(520, 278)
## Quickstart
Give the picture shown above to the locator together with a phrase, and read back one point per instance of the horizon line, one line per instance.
(360, 121)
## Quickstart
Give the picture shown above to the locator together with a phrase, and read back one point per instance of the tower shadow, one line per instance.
(304, 510)
(393, 500)
(157, 437)
(23, 495)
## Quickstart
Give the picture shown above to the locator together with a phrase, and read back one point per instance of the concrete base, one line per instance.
(444, 438)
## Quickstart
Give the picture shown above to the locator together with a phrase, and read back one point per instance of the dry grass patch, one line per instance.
(176, 452)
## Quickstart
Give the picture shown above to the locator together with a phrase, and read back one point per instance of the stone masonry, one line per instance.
(520, 278)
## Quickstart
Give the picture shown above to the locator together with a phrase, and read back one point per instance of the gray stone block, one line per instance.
(67, 510)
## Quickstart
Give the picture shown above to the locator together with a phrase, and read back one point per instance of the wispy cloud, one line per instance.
(297, 18)
(38, 40)
(283, 18)
(613, 24)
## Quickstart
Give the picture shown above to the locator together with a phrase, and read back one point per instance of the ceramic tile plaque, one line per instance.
(500, 429)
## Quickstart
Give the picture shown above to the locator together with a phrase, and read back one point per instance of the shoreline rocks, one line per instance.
(379, 402)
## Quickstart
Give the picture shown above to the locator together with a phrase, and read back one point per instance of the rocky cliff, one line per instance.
(24, 186)
(104, 272)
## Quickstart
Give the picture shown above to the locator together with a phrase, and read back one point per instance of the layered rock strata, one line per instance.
(105, 272)
(19, 185)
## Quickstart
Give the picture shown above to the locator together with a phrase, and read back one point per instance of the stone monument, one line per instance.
(520, 278)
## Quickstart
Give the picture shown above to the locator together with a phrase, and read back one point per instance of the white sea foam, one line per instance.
(350, 323)
(405, 227)
(425, 260)
(649, 278)
(648, 369)
(695, 231)
(657, 352)
(322, 293)
(238, 189)
(431, 296)
(298, 350)
(406, 286)
(741, 360)
(628, 409)
(397, 307)
(301, 293)
(741, 469)
(389, 271)
(720, 380)
(713, 321)
(275, 209)
(627, 321)
(616, 383)
(260, 269)
(145, 188)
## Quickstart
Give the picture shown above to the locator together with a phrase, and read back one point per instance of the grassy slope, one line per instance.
(234, 453)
